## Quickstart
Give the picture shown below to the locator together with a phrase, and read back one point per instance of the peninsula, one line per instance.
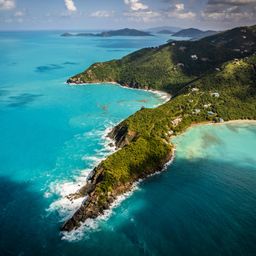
(211, 80)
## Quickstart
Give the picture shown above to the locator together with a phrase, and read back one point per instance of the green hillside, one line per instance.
(173, 65)
(228, 93)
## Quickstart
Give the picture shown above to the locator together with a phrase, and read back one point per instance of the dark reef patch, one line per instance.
(47, 68)
(210, 140)
(22, 99)
(70, 63)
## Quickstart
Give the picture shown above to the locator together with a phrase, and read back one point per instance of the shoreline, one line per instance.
(79, 219)
(65, 205)
(238, 121)
(91, 224)
(161, 94)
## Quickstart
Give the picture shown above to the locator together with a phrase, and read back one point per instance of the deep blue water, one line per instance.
(51, 136)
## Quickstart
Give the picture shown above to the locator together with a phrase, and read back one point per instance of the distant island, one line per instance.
(210, 80)
(120, 32)
(162, 28)
(165, 32)
(194, 33)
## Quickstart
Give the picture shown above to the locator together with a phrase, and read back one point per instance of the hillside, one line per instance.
(144, 138)
(125, 32)
(189, 32)
(195, 34)
(157, 29)
(173, 65)
(165, 32)
(211, 93)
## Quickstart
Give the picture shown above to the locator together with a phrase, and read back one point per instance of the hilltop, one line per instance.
(214, 83)
(194, 33)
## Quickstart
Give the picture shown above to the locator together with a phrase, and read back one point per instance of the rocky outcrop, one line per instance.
(122, 135)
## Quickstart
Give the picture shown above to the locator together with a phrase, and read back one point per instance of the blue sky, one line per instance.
(112, 14)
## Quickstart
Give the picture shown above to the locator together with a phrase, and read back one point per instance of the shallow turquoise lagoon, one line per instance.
(52, 135)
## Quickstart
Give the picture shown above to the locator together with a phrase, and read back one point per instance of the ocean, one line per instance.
(53, 134)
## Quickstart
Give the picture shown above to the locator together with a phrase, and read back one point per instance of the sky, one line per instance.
(114, 14)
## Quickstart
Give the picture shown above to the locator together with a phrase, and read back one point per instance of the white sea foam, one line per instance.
(94, 224)
(64, 206)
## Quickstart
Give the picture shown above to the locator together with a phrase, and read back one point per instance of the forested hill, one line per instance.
(175, 64)
(228, 93)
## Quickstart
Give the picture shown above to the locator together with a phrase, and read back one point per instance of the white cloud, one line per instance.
(136, 5)
(102, 14)
(139, 12)
(7, 4)
(70, 5)
(179, 7)
(145, 16)
(230, 10)
(178, 11)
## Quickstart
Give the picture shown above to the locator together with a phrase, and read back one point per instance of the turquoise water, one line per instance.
(51, 136)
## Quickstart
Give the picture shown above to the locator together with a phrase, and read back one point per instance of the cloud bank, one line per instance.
(135, 5)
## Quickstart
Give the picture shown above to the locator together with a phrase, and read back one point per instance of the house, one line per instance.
(215, 94)
(176, 121)
(207, 105)
(194, 57)
(210, 113)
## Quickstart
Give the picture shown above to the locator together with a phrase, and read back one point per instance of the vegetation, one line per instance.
(194, 33)
(173, 65)
(224, 93)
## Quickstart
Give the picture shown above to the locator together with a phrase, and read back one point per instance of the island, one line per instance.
(162, 28)
(165, 32)
(210, 80)
(194, 33)
(120, 32)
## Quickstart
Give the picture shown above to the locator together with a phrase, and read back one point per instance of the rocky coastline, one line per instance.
(92, 207)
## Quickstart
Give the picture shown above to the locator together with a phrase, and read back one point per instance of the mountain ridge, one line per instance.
(119, 32)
